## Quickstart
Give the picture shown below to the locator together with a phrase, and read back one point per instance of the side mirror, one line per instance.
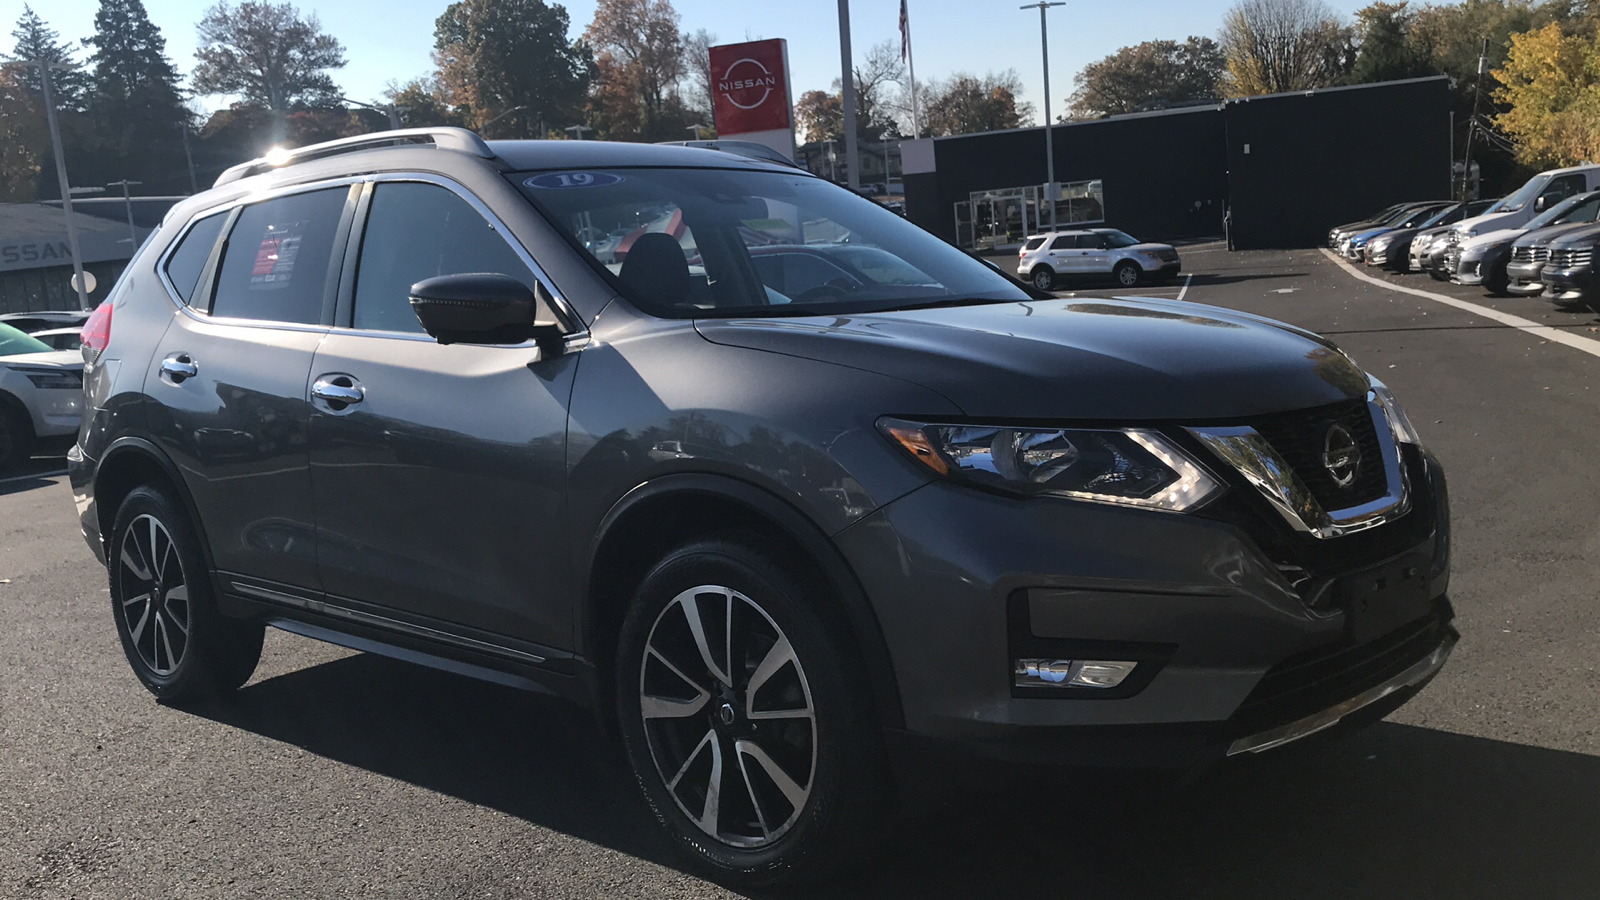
(482, 308)
(1539, 205)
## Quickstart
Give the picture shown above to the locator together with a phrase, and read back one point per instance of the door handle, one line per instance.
(178, 367)
(338, 391)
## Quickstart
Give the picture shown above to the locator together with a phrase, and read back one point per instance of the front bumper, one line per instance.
(1571, 284)
(1227, 650)
(1525, 278)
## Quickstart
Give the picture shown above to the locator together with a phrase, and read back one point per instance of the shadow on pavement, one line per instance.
(1392, 812)
(35, 473)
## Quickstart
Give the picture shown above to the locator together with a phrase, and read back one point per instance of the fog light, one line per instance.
(1080, 673)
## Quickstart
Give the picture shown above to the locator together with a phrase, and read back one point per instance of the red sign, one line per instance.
(750, 87)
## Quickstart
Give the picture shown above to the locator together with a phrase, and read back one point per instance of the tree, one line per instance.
(1550, 85)
(23, 138)
(37, 41)
(423, 102)
(268, 55)
(497, 55)
(967, 104)
(697, 63)
(1273, 46)
(1386, 51)
(639, 65)
(819, 116)
(1152, 75)
(137, 110)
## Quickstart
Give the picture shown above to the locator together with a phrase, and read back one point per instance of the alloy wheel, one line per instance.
(1128, 276)
(153, 595)
(1043, 280)
(728, 716)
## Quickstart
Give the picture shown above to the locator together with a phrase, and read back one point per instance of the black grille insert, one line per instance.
(1302, 439)
(1317, 679)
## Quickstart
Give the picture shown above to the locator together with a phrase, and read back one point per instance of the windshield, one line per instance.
(1115, 239)
(15, 343)
(1444, 216)
(693, 243)
(1523, 195)
(1573, 209)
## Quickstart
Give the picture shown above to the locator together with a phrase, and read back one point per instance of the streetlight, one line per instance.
(578, 130)
(389, 109)
(45, 66)
(697, 129)
(1049, 144)
(127, 201)
(485, 126)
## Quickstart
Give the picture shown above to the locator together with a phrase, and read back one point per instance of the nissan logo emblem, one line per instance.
(1341, 457)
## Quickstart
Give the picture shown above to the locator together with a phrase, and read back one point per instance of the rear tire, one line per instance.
(1128, 274)
(180, 647)
(16, 438)
(740, 721)
(1043, 278)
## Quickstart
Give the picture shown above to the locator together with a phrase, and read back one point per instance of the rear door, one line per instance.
(1063, 254)
(228, 382)
(440, 492)
(1094, 253)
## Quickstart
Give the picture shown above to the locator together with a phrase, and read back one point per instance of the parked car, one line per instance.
(1354, 246)
(1569, 274)
(60, 338)
(1483, 259)
(1096, 252)
(1538, 195)
(1338, 233)
(1531, 250)
(30, 322)
(1392, 250)
(41, 394)
(377, 392)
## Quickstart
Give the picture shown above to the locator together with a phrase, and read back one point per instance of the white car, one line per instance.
(1045, 258)
(41, 394)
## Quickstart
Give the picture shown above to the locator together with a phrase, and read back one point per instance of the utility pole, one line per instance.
(1050, 188)
(389, 109)
(1472, 126)
(852, 154)
(194, 186)
(577, 130)
(127, 201)
(78, 280)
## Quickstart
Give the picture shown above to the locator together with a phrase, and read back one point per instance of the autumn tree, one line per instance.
(137, 110)
(639, 64)
(495, 56)
(36, 41)
(1151, 75)
(423, 102)
(1273, 46)
(1550, 87)
(878, 80)
(819, 116)
(967, 104)
(268, 54)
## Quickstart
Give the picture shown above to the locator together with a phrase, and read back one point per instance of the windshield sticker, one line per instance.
(275, 256)
(573, 180)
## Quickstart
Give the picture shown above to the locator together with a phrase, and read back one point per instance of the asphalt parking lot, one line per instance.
(336, 774)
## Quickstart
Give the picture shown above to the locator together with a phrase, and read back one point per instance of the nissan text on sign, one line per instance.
(750, 88)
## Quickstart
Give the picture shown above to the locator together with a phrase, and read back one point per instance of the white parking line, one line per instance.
(36, 475)
(1186, 279)
(1544, 332)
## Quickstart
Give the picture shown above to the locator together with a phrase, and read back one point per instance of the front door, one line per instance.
(1093, 255)
(1063, 254)
(440, 491)
(228, 382)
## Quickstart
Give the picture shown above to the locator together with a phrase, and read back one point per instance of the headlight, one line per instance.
(47, 379)
(1472, 233)
(1128, 467)
(1380, 243)
(1149, 254)
(1399, 423)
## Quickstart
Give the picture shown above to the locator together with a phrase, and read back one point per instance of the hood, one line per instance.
(1363, 236)
(1153, 247)
(1492, 222)
(1117, 360)
(54, 359)
(1583, 234)
(1543, 236)
(1489, 239)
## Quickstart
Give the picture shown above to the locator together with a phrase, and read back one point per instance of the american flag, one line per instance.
(905, 31)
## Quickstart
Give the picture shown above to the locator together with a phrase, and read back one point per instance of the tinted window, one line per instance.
(796, 274)
(1091, 242)
(1063, 243)
(186, 263)
(278, 257)
(1562, 188)
(1033, 243)
(417, 231)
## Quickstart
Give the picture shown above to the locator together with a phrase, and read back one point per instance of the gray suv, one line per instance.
(786, 489)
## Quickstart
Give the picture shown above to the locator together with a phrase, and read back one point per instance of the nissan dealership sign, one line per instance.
(750, 88)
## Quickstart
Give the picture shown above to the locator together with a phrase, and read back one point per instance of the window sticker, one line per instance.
(558, 180)
(274, 266)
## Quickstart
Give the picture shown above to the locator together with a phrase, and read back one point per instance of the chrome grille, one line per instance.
(1571, 258)
(1530, 254)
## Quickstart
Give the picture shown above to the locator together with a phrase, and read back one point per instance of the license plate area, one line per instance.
(1380, 599)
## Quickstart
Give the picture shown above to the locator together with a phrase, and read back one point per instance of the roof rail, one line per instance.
(444, 138)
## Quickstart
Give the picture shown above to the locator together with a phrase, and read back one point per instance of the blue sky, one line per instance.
(391, 39)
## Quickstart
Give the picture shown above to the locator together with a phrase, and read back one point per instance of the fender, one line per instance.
(860, 617)
(125, 445)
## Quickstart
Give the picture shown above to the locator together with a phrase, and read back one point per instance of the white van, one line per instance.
(1542, 191)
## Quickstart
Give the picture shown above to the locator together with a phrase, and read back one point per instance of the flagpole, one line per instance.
(911, 65)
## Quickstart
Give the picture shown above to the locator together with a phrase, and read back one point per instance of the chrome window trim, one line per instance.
(564, 308)
(1259, 462)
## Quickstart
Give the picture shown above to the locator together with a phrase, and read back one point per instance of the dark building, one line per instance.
(1283, 167)
(36, 258)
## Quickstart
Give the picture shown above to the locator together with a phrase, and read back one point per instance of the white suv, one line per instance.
(41, 394)
(1094, 251)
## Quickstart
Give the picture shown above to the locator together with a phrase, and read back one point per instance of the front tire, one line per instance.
(738, 719)
(180, 647)
(1128, 273)
(1044, 278)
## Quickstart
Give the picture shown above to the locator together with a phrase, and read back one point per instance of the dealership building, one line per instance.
(36, 255)
(1275, 171)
